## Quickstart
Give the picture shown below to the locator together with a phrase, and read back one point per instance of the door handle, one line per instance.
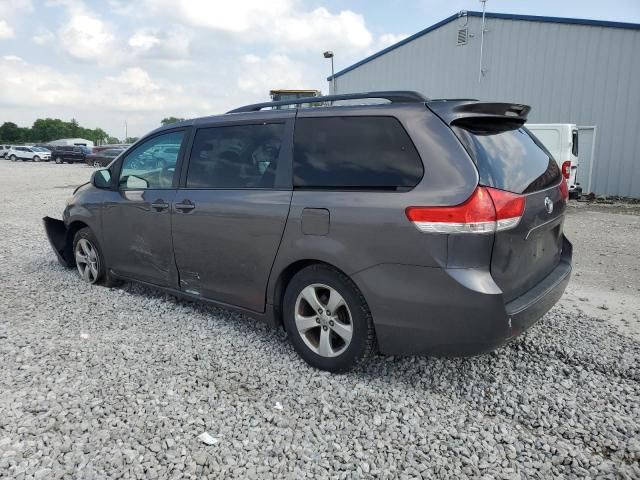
(185, 206)
(160, 205)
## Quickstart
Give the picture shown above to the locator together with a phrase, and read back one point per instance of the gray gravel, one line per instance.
(121, 383)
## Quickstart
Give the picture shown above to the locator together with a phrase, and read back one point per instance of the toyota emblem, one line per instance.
(548, 205)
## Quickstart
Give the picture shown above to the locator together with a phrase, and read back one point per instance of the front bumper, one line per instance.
(452, 312)
(59, 240)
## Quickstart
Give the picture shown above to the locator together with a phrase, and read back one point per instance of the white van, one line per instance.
(561, 139)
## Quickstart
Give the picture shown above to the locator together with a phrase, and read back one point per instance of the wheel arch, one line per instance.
(283, 279)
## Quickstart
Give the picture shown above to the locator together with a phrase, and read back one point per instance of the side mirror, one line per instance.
(101, 178)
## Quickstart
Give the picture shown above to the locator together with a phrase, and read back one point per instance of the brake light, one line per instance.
(487, 210)
(564, 189)
(566, 169)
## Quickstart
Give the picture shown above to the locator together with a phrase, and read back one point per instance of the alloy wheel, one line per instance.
(323, 320)
(87, 260)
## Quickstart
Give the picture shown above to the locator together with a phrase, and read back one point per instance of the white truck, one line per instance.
(561, 139)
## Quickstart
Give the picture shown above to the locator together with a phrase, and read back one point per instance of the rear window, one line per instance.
(511, 159)
(354, 153)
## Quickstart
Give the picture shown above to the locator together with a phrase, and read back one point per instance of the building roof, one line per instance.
(503, 16)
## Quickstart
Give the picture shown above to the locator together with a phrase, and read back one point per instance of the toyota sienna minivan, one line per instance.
(410, 226)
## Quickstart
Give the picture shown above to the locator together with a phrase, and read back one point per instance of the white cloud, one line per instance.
(258, 75)
(6, 31)
(158, 44)
(88, 38)
(43, 37)
(283, 23)
(388, 39)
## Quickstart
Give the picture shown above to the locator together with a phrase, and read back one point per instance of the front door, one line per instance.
(230, 215)
(137, 216)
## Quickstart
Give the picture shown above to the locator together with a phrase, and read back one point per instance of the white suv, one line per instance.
(4, 149)
(29, 153)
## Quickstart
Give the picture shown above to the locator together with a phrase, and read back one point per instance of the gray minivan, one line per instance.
(411, 226)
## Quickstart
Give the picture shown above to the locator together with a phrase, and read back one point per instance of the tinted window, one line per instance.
(240, 156)
(510, 159)
(354, 153)
(111, 153)
(149, 165)
(574, 146)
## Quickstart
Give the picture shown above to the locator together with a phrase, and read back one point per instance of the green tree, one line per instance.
(131, 140)
(10, 132)
(111, 140)
(169, 120)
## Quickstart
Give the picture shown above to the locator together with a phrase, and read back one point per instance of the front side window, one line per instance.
(359, 153)
(152, 164)
(239, 156)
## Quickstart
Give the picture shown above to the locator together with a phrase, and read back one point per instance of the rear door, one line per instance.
(231, 209)
(510, 158)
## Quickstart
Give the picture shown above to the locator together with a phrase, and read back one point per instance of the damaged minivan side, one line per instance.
(410, 226)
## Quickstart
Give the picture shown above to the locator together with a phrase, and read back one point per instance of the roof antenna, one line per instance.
(480, 72)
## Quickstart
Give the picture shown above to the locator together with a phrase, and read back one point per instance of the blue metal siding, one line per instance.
(569, 72)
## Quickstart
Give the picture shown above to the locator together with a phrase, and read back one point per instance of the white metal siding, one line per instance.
(586, 75)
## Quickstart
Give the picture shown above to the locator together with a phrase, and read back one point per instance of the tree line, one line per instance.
(45, 130)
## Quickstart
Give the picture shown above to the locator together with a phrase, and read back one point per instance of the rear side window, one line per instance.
(354, 153)
(574, 143)
(239, 156)
(509, 159)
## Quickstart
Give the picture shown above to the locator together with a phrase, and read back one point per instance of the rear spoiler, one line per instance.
(473, 113)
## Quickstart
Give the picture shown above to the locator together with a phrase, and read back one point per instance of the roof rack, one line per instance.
(394, 96)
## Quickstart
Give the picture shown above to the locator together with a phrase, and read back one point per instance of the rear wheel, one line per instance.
(327, 319)
(90, 260)
(97, 164)
(13, 158)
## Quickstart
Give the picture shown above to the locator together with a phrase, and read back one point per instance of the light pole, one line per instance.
(329, 54)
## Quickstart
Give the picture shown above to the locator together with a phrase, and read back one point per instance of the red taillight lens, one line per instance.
(486, 211)
(566, 169)
(564, 189)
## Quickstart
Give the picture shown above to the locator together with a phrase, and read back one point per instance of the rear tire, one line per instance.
(89, 259)
(336, 341)
(13, 158)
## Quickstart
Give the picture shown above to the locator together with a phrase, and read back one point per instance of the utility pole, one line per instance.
(126, 134)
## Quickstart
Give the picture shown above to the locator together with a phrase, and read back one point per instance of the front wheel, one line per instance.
(328, 320)
(97, 164)
(58, 160)
(90, 260)
(36, 158)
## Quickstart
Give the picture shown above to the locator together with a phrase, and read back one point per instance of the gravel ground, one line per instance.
(100, 383)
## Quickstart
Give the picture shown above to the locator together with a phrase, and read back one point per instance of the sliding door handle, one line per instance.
(185, 206)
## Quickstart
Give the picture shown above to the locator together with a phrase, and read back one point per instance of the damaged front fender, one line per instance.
(59, 240)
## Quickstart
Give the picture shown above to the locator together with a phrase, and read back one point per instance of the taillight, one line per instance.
(487, 210)
(564, 189)
(566, 169)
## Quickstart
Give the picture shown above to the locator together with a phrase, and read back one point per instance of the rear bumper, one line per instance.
(452, 312)
(57, 234)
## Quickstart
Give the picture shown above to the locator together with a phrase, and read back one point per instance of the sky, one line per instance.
(110, 61)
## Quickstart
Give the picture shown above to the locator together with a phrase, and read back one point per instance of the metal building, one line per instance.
(569, 70)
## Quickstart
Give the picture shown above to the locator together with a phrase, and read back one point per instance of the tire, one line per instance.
(36, 158)
(97, 164)
(13, 158)
(94, 270)
(308, 328)
(58, 160)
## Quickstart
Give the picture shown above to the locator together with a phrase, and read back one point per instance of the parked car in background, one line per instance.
(400, 226)
(103, 158)
(68, 153)
(99, 148)
(561, 139)
(4, 149)
(34, 154)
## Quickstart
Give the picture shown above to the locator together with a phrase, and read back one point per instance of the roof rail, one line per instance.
(399, 96)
